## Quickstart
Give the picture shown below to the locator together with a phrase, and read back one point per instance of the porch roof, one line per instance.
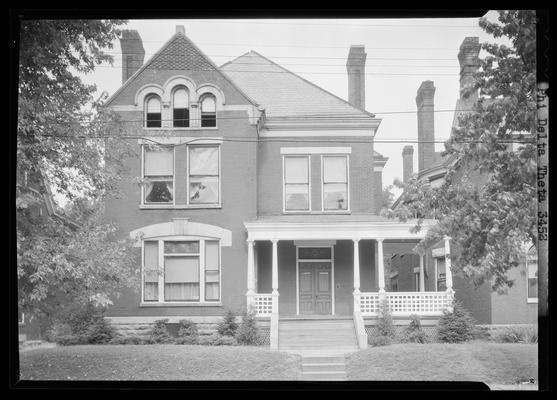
(333, 227)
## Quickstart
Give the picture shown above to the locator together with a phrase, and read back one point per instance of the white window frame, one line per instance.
(180, 238)
(174, 89)
(532, 300)
(202, 205)
(146, 99)
(142, 166)
(348, 197)
(331, 260)
(201, 98)
(284, 210)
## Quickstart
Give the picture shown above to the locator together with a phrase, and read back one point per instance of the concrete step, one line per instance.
(337, 349)
(320, 367)
(324, 342)
(323, 360)
(324, 375)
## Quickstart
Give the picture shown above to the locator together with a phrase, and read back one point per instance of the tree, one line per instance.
(68, 142)
(487, 204)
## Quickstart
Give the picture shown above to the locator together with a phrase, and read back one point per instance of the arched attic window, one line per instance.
(153, 112)
(180, 108)
(208, 111)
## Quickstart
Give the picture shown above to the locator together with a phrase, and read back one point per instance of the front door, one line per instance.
(315, 287)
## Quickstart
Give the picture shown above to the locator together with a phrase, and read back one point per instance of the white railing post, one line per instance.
(422, 277)
(275, 295)
(448, 274)
(356, 267)
(251, 276)
(380, 267)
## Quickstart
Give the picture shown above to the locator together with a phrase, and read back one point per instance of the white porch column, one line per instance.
(251, 275)
(275, 276)
(356, 291)
(448, 274)
(380, 266)
(422, 277)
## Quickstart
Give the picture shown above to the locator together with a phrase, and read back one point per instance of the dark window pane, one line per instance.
(208, 120)
(314, 253)
(181, 118)
(181, 247)
(153, 120)
(158, 192)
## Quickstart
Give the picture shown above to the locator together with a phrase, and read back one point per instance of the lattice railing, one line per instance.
(406, 302)
(263, 304)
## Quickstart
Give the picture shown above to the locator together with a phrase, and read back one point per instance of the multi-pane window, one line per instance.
(153, 116)
(335, 183)
(181, 270)
(180, 108)
(208, 111)
(532, 270)
(296, 183)
(441, 276)
(158, 173)
(204, 175)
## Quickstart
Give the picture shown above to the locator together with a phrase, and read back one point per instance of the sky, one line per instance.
(401, 54)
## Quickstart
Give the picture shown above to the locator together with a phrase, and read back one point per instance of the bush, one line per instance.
(517, 334)
(188, 329)
(228, 326)
(481, 333)
(385, 325)
(128, 340)
(457, 326)
(247, 332)
(414, 333)
(216, 340)
(159, 333)
(99, 332)
(380, 340)
(58, 330)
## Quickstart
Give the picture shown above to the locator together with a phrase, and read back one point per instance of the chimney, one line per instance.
(355, 65)
(133, 53)
(407, 163)
(426, 128)
(469, 64)
(181, 30)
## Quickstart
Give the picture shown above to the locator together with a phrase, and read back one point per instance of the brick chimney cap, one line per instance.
(130, 34)
(181, 29)
(408, 150)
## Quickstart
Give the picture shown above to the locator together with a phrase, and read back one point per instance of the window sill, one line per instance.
(182, 304)
(178, 207)
(532, 301)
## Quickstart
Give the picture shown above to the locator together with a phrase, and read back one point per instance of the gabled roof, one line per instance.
(179, 53)
(284, 93)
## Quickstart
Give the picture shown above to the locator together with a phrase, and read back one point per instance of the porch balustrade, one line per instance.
(263, 304)
(403, 303)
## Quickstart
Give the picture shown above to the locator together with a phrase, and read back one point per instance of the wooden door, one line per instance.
(315, 286)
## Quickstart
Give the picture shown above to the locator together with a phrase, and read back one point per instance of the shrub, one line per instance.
(159, 333)
(385, 325)
(128, 340)
(380, 340)
(481, 333)
(99, 332)
(228, 326)
(414, 333)
(247, 332)
(58, 330)
(456, 326)
(188, 329)
(216, 340)
(517, 334)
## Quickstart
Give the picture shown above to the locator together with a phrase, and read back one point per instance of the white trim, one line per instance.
(215, 91)
(144, 91)
(284, 210)
(348, 196)
(314, 243)
(176, 140)
(378, 169)
(203, 205)
(438, 253)
(172, 319)
(179, 80)
(265, 133)
(142, 203)
(315, 150)
(331, 260)
(182, 229)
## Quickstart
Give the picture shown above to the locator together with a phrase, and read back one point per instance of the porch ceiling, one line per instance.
(336, 227)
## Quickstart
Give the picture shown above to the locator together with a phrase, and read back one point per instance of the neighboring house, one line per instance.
(519, 305)
(257, 189)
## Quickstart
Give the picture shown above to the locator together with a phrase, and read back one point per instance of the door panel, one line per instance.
(315, 285)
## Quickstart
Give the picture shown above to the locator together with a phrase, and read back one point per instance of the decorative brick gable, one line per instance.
(180, 54)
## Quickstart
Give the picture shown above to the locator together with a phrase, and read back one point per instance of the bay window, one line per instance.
(296, 183)
(176, 270)
(158, 173)
(335, 183)
(204, 174)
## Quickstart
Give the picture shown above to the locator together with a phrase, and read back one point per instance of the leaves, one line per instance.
(487, 203)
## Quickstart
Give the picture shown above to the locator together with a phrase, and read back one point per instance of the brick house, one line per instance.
(251, 187)
(519, 305)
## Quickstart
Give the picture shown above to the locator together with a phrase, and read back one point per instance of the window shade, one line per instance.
(159, 162)
(334, 169)
(208, 105)
(154, 105)
(181, 269)
(181, 99)
(212, 255)
(151, 255)
(204, 160)
(296, 170)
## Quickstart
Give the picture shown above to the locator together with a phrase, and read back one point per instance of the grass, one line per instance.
(491, 363)
(157, 362)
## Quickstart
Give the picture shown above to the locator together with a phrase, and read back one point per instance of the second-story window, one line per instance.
(153, 114)
(204, 174)
(180, 108)
(335, 183)
(296, 183)
(208, 111)
(158, 171)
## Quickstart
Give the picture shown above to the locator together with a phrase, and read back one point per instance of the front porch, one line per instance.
(328, 270)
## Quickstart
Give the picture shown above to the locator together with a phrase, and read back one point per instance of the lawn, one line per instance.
(491, 363)
(157, 362)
